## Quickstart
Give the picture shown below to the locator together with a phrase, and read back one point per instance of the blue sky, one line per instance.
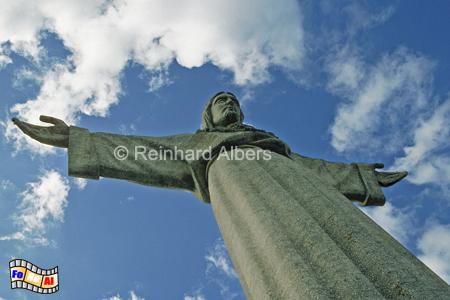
(349, 81)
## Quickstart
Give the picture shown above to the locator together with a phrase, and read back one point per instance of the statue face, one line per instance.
(225, 110)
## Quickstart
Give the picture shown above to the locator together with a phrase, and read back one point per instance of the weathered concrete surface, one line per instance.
(292, 236)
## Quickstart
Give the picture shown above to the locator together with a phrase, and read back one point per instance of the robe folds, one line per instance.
(296, 237)
(91, 155)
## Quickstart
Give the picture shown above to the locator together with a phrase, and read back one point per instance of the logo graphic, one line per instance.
(25, 275)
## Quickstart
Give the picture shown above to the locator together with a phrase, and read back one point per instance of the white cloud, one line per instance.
(117, 297)
(17, 236)
(4, 60)
(219, 275)
(25, 75)
(389, 109)
(382, 100)
(346, 70)
(20, 23)
(360, 17)
(43, 200)
(195, 296)
(132, 296)
(80, 183)
(6, 184)
(218, 259)
(245, 38)
(435, 247)
(127, 129)
(395, 221)
(425, 159)
(43, 203)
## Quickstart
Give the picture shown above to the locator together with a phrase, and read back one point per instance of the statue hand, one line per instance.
(386, 179)
(57, 135)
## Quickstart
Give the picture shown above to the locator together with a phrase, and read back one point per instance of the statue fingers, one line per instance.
(33, 131)
(16, 121)
(24, 126)
(386, 179)
(52, 120)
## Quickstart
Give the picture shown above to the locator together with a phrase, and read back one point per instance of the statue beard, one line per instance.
(231, 117)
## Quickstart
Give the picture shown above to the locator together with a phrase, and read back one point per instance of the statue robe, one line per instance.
(287, 223)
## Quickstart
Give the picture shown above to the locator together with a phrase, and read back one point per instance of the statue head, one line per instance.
(222, 110)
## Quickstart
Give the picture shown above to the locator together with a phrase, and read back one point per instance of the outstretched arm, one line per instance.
(95, 155)
(133, 158)
(357, 181)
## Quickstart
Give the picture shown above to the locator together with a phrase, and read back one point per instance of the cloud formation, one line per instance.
(218, 259)
(435, 247)
(133, 296)
(80, 183)
(426, 156)
(245, 38)
(6, 184)
(389, 109)
(381, 100)
(196, 296)
(43, 203)
(4, 60)
(219, 275)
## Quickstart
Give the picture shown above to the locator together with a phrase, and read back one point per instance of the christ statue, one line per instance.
(286, 219)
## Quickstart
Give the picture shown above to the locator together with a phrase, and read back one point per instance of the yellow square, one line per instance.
(33, 278)
(17, 273)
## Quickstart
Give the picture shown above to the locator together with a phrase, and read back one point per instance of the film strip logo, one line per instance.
(25, 275)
